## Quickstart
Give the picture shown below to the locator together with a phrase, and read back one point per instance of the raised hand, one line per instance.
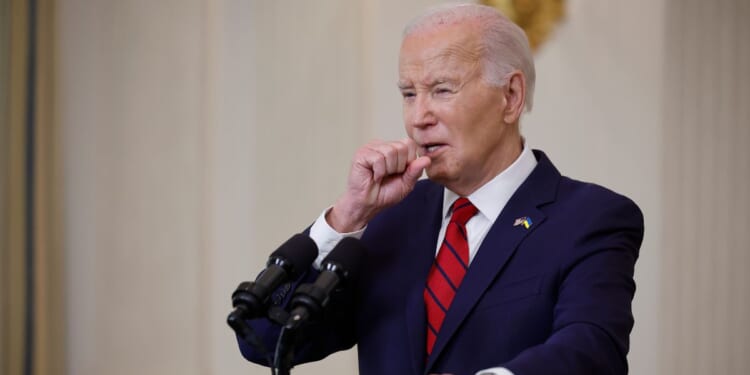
(382, 174)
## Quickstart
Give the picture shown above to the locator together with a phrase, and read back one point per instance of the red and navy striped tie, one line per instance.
(448, 270)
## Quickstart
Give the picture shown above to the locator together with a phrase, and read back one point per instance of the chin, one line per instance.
(438, 175)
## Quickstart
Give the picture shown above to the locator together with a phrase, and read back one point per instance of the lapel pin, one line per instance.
(525, 221)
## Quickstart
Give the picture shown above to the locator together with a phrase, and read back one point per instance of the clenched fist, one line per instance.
(382, 174)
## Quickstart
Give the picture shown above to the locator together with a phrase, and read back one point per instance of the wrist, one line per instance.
(344, 217)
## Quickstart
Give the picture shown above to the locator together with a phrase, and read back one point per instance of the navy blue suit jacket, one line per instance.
(551, 299)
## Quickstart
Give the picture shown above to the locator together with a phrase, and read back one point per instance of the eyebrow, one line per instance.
(435, 81)
(403, 85)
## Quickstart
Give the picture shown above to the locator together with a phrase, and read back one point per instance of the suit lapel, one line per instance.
(499, 246)
(422, 244)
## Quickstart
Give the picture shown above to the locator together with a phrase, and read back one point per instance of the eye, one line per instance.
(407, 94)
(442, 91)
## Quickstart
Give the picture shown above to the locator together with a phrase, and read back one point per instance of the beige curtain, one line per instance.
(31, 263)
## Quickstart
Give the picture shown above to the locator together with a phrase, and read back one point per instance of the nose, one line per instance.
(419, 113)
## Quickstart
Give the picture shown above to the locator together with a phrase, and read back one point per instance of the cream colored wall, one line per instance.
(198, 135)
(132, 114)
(706, 303)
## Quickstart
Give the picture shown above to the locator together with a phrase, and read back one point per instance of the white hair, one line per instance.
(505, 45)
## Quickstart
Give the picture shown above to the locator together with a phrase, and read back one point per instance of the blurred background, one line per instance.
(153, 153)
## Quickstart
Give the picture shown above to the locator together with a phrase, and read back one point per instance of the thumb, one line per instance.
(415, 168)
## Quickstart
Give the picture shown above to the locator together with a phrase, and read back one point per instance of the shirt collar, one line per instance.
(490, 199)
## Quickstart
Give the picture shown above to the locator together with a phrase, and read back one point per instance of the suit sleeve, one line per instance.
(592, 318)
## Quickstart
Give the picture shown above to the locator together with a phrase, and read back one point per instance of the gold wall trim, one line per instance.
(538, 18)
(12, 257)
(48, 319)
(49, 281)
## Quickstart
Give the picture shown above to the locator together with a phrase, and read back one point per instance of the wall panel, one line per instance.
(706, 202)
(130, 101)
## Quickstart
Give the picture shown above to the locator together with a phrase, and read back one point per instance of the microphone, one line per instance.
(340, 267)
(289, 261)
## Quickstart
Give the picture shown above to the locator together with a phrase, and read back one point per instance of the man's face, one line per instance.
(449, 110)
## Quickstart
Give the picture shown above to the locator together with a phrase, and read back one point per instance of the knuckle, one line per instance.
(378, 158)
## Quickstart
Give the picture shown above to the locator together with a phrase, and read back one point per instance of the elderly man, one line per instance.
(495, 265)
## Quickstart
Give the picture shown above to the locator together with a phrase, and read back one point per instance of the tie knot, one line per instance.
(463, 210)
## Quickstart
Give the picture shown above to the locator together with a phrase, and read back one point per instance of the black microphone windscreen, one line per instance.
(349, 254)
(300, 251)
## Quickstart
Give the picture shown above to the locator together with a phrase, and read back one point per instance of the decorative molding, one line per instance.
(538, 18)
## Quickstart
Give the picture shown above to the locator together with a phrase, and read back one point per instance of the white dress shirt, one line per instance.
(490, 199)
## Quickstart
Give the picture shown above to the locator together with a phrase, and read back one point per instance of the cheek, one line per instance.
(408, 130)
(458, 114)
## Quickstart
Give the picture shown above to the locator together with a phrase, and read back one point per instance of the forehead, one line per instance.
(444, 50)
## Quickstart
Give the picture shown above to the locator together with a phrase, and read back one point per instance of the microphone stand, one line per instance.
(285, 351)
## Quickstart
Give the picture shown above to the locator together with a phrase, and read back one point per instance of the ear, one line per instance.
(515, 97)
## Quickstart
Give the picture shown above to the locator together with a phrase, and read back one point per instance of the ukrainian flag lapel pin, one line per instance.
(525, 221)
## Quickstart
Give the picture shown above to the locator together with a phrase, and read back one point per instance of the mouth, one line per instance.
(431, 149)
